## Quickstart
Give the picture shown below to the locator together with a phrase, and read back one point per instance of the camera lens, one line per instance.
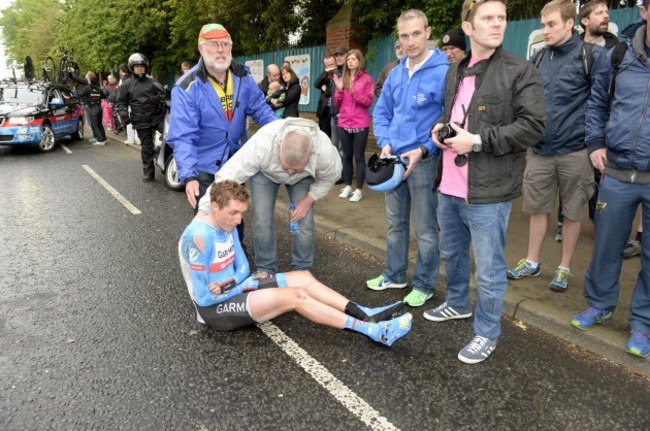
(446, 132)
(461, 160)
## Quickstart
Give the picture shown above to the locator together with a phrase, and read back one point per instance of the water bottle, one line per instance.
(294, 228)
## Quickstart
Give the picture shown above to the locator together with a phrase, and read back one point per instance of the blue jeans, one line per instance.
(264, 193)
(414, 193)
(484, 225)
(613, 224)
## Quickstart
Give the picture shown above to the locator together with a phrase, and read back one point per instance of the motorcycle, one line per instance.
(118, 125)
(165, 160)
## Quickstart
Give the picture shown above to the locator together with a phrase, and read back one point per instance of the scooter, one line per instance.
(164, 158)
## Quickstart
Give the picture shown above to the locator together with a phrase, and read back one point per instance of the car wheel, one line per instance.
(172, 179)
(79, 134)
(47, 141)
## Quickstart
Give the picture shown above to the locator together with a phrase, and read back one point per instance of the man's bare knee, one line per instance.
(300, 294)
(303, 276)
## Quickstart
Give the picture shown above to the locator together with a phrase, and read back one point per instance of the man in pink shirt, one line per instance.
(494, 108)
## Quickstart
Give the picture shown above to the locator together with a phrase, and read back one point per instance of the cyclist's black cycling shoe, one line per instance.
(388, 312)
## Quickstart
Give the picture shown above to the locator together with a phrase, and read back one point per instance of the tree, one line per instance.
(442, 14)
(104, 34)
(28, 27)
(380, 21)
(255, 26)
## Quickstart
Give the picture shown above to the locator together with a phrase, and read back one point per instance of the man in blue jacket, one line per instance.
(560, 162)
(209, 108)
(618, 139)
(410, 100)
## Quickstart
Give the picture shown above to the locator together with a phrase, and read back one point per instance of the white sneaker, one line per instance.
(129, 142)
(346, 192)
(356, 196)
(99, 143)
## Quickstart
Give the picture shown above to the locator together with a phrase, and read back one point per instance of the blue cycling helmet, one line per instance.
(384, 175)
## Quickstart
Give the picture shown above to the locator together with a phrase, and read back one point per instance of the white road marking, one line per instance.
(124, 201)
(355, 404)
(66, 149)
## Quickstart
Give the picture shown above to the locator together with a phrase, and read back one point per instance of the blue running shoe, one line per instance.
(560, 281)
(393, 330)
(523, 269)
(638, 344)
(590, 317)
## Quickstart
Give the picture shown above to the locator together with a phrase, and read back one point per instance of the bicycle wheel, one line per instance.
(63, 70)
(48, 69)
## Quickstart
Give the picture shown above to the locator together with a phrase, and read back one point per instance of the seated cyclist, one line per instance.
(226, 297)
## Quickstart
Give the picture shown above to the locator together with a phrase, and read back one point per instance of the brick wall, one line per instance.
(349, 37)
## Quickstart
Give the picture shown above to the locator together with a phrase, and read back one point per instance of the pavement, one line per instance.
(528, 301)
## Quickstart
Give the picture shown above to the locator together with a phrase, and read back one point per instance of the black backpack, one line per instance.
(617, 58)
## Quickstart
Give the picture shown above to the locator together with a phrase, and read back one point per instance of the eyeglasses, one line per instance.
(471, 6)
(213, 44)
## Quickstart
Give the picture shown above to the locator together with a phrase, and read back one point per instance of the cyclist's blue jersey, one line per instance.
(207, 255)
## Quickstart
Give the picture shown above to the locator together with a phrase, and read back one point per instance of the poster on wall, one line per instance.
(536, 39)
(257, 69)
(301, 64)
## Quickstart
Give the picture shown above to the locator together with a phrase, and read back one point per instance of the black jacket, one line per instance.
(90, 94)
(146, 97)
(339, 72)
(509, 113)
(323, 109)
(291, 100)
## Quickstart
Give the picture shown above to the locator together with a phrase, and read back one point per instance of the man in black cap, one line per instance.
(453, 44)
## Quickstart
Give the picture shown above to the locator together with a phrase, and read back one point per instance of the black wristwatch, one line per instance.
(191, 179)
(425, 152)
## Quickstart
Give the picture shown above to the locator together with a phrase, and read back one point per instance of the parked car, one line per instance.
(38, 114)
